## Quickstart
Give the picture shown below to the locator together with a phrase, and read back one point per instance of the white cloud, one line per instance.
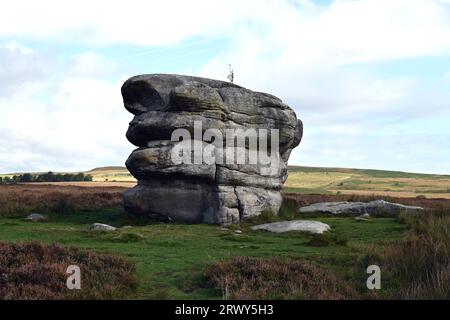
(90, 64)
(368, 30)
(76, 121)
(317, 58)
(321, 61)
(140, 22)
(16, 47)
(446, 76)
(345, 31)
(21, 69)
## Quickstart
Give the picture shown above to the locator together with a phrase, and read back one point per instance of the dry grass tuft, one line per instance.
(422, 260)
(276, 278)
(418, 266)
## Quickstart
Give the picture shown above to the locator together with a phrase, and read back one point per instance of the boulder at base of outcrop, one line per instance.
(101, 226)
(374, 208)
(36, 217)
(315, 227)
(203, 149)
(363, 217)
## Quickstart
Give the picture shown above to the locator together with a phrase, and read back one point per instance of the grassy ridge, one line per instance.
(337, 181)
(309, 180)
(101, 174)
(368, 172)
(112, 172)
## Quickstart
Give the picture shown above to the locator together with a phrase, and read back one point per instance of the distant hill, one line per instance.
(118, 170)
(370, 172)
(332, 181)
(121, 171)
(108, 168)
(366, 182)
(111, 173)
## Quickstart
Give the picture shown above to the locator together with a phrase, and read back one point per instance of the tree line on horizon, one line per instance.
(46, 177)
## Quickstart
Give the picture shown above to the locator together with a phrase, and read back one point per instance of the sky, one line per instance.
(370, 79)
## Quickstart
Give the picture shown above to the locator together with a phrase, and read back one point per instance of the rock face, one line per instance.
(221, 127)
(314, 227)
(373, 208)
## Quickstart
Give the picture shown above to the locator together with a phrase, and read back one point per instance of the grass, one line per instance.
(275, 278)
(170, 258)
(368, 172)
(418, 266)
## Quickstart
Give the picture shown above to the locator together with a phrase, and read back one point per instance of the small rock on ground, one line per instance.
(363, 217)
(36, 217)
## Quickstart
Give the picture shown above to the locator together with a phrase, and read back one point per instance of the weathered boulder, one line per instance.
(175, 117)
(374, 208)
(309, 226)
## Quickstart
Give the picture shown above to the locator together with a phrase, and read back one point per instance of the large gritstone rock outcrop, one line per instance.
(206, 170)
(373, 208)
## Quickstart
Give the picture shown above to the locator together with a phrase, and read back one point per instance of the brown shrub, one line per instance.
(417, 266)
(24, 198)
(34, 272)
(301, 200)
(275, 278)
(421, 262)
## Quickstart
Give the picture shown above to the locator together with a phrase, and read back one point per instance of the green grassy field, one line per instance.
(308, 180)
(170, 257)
